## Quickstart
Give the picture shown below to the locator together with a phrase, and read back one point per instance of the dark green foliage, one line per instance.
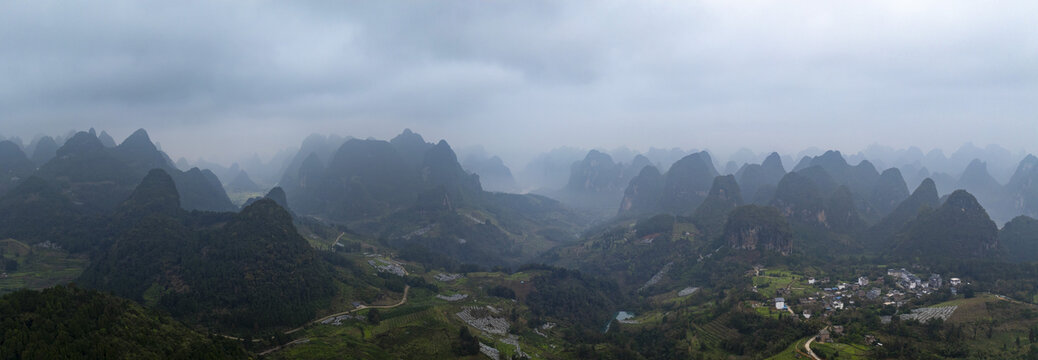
(762, 335)
(662, 223)
(501, 292)
(157, 194)
(881, 235)
(960, 228)
(753, 227)
(373, 317)
(421, 254)
(258, 269)
(798, 197)
(467, 344)
(1020, 239)
(37, 211)
(840, 213)
(574, 298)
(245, 270)
(67, 322)
(364, 178)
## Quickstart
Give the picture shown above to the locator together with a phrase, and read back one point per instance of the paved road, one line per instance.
(807, 347)
(359, 307)
(407, 288)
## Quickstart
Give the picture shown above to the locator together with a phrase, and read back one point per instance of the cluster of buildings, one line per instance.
(907, 280)
(388, 266)
(896, 289)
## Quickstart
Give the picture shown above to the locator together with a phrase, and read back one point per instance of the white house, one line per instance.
(862, 281)
(955, 281)
(780, 303)
(838, 305)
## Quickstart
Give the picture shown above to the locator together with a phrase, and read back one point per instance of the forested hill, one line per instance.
(416, 194)
(73, 323)
(245, 270)
(100, 177)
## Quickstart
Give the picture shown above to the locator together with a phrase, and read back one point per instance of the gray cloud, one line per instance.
(208, 77)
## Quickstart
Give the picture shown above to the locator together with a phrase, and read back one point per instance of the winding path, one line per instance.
(407, 288)
(807, 347)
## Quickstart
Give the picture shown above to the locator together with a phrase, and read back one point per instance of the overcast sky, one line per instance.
(224, 78)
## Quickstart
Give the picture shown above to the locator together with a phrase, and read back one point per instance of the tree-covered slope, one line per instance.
(73, 323)
(245, 270)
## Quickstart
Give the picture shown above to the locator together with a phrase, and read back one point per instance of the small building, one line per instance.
(936, 281)
(838, 305)
(873, 294)
(780, 303)
(807, 314)
(863, 281)
(870, 340)
(838, 330)
(823, 336)
(955, 281)
(811, 281)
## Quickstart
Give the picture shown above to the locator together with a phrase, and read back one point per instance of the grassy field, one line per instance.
(769, 281)
(993, 323)
(39, 267)
(841, 351)
(424, 328)
(791, 352)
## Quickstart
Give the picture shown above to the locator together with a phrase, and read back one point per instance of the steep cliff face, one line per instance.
(724, 197)
(756, 180)
(753, 227)
(687, 183)
(643, 193)
(1023, 187)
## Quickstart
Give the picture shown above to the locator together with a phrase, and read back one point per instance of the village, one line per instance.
(806, 297)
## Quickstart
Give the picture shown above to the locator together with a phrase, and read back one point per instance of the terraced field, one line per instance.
(427, 316)
(714, 332)
(39, 267)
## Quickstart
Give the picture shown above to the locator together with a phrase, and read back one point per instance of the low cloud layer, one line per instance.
(220, 79)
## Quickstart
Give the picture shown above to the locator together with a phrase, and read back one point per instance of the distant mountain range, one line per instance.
(417, 194)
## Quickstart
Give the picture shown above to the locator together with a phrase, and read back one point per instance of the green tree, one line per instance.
(467, 344)
(374, 317)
